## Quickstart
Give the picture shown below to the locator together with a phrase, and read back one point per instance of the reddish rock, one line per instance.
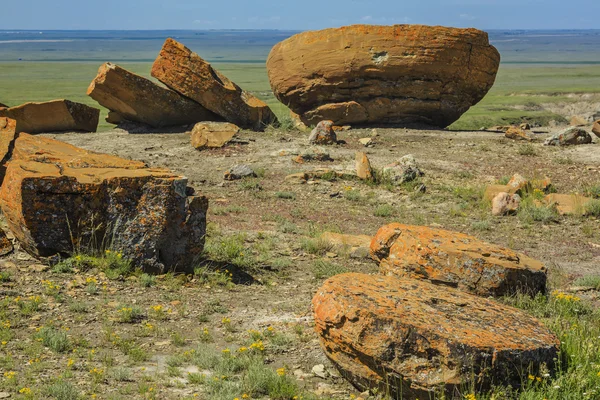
(8, 135)
(323, 134)
(212, 134)
(57, 198)
(363, 166)
(596, 128)
(53, 116)
(419, 340)
(505, 203)
(567, 204)
(365, 74)
(516, 134)
(457, 260)
(188, 74)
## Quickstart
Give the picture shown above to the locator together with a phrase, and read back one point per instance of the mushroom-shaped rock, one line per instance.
(455, 259)
(417, 339)
(374, 75)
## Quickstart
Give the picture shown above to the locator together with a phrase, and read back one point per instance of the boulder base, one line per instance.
(58, 198)
(374, 75)
(53, 116)
(455, 259)
(188, 74)
(417, 339)
(138, 99)
(212, 134)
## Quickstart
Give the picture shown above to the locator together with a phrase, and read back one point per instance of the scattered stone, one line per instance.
(578, 120)
(299, 178)
(367, 142)
(570, 136)
(525, 126)
(6, 246)
(363, 166)
(319, 371)
(517, 182)
(516, 134)
(404, 170)
(415, 339)
(138, 99)
(596, 128)
(457, 260)
(239, 172)
(297, 122)
(212, 134)
(323, 134)
(399, 74)
(189, 75)
(344, 128)
(53, 116)
(314, 154)
(567, 204)
(505, 204)
(56, 196)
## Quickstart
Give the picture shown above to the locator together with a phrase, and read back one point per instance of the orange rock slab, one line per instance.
(417, 339)
(188, 74)
(138, 99)
(8, 134)
(374, 75)
(456, 260)
(53, 116)
(58, 199)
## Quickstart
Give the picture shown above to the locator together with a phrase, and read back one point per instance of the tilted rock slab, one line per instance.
(456, 260)
(188, 74)
(373, 75)
(57, 198)
(138, 99)
(53, 116)
(418, 339)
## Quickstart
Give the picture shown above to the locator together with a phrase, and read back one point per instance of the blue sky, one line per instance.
(296, 14)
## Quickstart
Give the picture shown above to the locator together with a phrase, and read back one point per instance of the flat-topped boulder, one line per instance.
(189, 75)
(418, 339)
(138, 99)
(456, 260)
(57, 198)
(212, 134)
(53, 116)
(376, 75)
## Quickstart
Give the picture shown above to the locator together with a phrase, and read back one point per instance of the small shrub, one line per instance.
(593, 208)
(147, 280)
(61, 390)
(352, 195)
(54, 339)
(316, 246)
(129, 314)
(532, 211)
(285, 195)
(592, 281)
(384, 210)
(527, 150)
(593, 191)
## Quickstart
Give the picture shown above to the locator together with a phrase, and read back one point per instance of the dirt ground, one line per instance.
(457, 166)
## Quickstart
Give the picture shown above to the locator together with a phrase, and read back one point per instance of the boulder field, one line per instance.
(413, 339)
(377, 75)
(58, 198)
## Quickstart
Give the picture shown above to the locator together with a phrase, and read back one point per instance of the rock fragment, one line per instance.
(212, 134)
(505, 204)
(323, 134)
(239, 172)
(569, 137)
(596, 128)
(363, 166)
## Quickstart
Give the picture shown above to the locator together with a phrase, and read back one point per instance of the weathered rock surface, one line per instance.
(569, 137)
(505, 203)
(239, 172)
(596, 128)
(357, 245)
(363, 166)
(8, 135)
(578, 120)
(53, 116)
(138, 99)
(6, 246)
(517, 184)
(212, 134)
(567, 204)
(323, 134)
(115, 118)
(188, 74)
(57, 197)
(455, 259)
(418, 339)
(403, 170)
(366, 74)
(515, 133)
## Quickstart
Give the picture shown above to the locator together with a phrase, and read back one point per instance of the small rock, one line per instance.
(319, 371)
(525, 126)
(363, 166)
(596, 128)
(298, 178)
(505, 203)
(404, 170)
(4, 395)
(323, 134)
(212, 134)
(315, 154)
(239, 172)
(366, 142)
(570, 136)
(578, 120)
(342, 128)
(516, 134)
(567, 204)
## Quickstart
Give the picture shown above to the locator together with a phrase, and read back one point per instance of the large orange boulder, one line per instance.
(138, 99)
(58, 198)
(53, 116)
(365, 74)
(456, 260)
(188, 74)
(416, 340)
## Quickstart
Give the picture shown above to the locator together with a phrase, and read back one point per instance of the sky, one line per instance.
(296, 14)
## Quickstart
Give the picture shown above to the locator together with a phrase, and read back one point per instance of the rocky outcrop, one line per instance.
(212, 134)
(596, 128)
(373, 75)
(138, 99)
(8, 135)
(188, 74)
(415, 340)
(569, 137)
(456, 260)
(58, 198)
(53, 116)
